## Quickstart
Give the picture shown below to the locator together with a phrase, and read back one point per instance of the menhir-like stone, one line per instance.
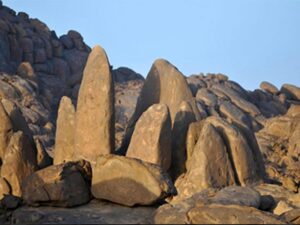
(291, 91)
(151, 139)
(94, 133)
(266, 86)
(19, 162)
(130, 181)
(64, 185)
(65, 127)
(184, 117)
(6, 130)
(164, 84)
(209, 166)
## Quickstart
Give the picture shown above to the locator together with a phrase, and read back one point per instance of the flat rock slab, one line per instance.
(96, 212)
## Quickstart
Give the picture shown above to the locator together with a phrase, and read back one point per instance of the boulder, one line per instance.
(64, 185)
(246, 169)
(231, 214)
(6, 130)
(291, 91)
(235, 195)
(151, 139)
(266, 86)
(5, 188)
(94, 133)
(164, 84)
(26, 71)
(130, 182)
(65, 127)
(184, 117)
(19, 162)
(209, 166)
(43, 158)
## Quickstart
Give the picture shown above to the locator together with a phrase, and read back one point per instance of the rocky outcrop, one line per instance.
(94, 133)
(64, 185)
(6, 130)
(279, 143)
(151, 139)
(133, 181)
(65, 130)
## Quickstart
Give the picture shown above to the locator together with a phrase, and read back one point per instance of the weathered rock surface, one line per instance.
(65, 132)
(134, 182)
(94, 133)
(64, 185)
(96, 212)
(19, 162)
(151, 139)
(266, 86)
(291, 91)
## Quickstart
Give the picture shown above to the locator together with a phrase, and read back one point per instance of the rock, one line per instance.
(19, 162)
(246, 169)
(234, 195)
(130, 182)
(10, 202)
(184, 117)
(292, 91)
(266, 86)
(94, 133)
(238, 100)
(6, 130)
(95, 212)
(151, 139)
(282, 207)
(164, 84)
(26, 71)
(40, 56)
(209, 166)
(235, 115)
(231, 214)
(207, 97)
(192, 137)
(124, 74)
(267, 203)
(5, 188)
(43, 158)
(289, 184)
(64, 185)
(294, 111)
(65, 127)
(66, 41)
(292, 216)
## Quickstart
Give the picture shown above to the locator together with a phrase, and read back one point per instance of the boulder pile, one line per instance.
(197, 149)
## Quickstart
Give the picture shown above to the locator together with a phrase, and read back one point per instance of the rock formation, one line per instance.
(197, 149)
(94, 133)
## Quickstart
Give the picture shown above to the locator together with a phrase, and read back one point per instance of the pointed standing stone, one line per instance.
(151, 139)
(65, 126)
(94, 133)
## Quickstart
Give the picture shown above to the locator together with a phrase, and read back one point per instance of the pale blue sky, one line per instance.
(249, 40)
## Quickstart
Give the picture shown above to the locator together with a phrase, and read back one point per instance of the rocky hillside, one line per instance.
(124, 149)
